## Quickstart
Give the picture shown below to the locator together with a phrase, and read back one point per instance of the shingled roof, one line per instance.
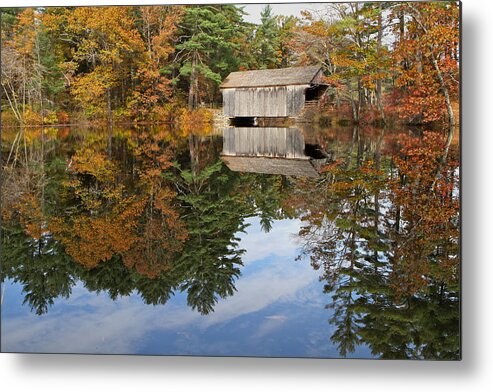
(273, 77)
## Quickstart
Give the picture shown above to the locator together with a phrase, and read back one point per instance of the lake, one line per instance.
(340, 242)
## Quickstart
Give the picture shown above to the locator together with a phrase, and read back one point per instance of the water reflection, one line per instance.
(160, 212)
(271, 151)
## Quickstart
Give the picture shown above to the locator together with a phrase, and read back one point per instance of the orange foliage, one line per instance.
(429, 209)
(63, 117)
(427, 53)
(92, 240)
(159, 239)
(195, 122)
(93, 163)
(144, 229)
(25, 32)
(160, 233)
(31, 216)
(160, 25)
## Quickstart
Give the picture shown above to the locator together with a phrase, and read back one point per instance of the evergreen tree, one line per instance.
(266, 42)
(209, 49)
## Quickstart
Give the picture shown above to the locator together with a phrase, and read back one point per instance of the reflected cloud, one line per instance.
(280, 241)
(89, 323)
(255, 292)
(269, 325)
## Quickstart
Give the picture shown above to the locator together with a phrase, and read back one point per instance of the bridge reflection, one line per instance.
(271, 151)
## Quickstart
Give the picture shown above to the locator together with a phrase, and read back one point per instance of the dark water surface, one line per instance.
(340, 242)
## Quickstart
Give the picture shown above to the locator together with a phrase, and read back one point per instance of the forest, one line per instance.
(385, 62)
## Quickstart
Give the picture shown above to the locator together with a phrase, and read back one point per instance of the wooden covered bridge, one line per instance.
(272, 93)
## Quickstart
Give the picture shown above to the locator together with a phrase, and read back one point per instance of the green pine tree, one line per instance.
(209, 48)
(267, 40)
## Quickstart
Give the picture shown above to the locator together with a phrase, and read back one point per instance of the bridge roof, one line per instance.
(273, 77)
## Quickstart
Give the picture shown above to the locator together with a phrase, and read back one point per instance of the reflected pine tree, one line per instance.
(30, 255)
(214, 214)
(267, 193)
(41, 266)
(419, 327)
(345, 316)
(385, 235)
(159, 290)
(111, 277)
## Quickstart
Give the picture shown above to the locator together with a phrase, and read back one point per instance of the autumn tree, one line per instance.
(153, 80)
(384, 234)
(383, 61)
(287, 27)
(160, 232)
(347, 41)
(22, 70)
(106, 48)
(426, 233)
(428, 56)
(106, 216)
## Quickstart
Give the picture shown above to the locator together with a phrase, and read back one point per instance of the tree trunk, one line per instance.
(361, 98)
(193, 92)
(108, 106)
(355, 111)
(446, 94)
(378, 90)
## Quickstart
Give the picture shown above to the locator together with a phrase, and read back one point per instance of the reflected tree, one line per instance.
(41, 266)
(393, 281)
(214, 214)
(126, 216)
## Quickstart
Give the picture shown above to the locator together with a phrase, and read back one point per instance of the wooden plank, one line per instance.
(284, 101)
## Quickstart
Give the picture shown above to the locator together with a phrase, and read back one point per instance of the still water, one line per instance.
(277, 242)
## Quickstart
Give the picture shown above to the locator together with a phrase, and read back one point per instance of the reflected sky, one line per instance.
(278, 310)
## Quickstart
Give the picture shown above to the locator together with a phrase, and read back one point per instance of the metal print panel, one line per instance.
(232, 180)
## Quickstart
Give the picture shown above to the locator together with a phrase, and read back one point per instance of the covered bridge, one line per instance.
(271, 92)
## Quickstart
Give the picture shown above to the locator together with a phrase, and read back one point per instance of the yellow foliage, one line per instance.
(50, 118)
(195, 122)
(90, 90)
(31, 216)
(32, 118)
(91, 240)
(95, 163)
